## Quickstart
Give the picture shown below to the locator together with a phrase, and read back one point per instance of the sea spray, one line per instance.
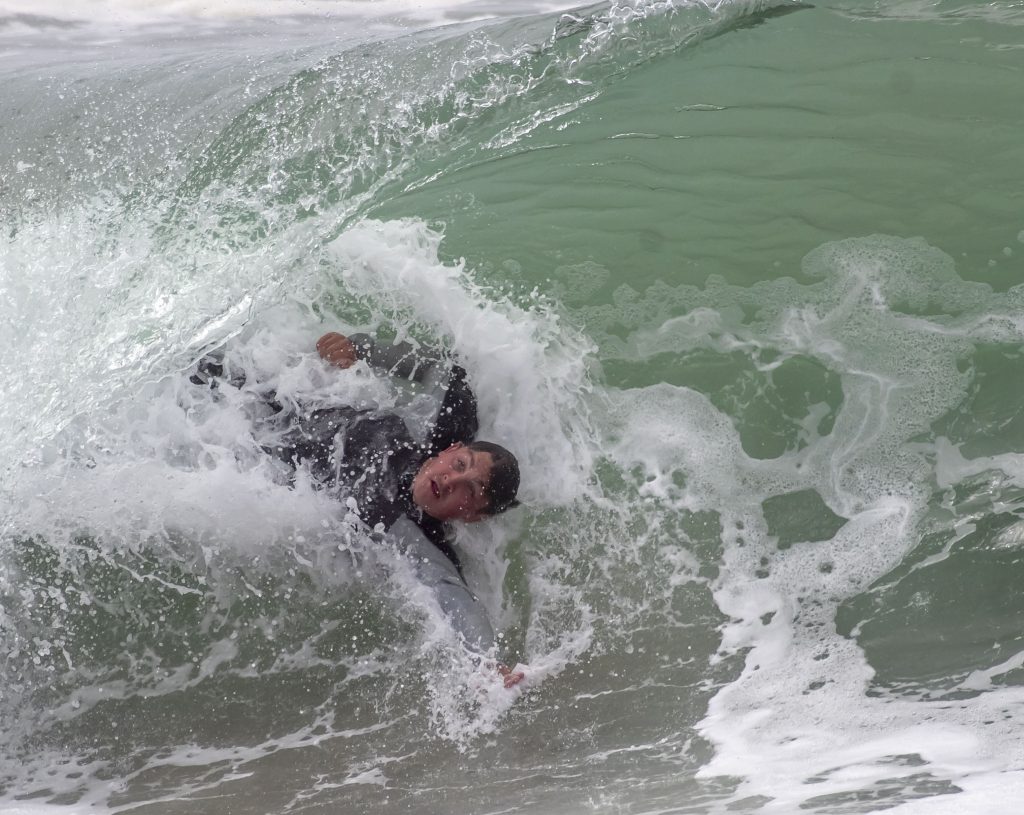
(768, 557)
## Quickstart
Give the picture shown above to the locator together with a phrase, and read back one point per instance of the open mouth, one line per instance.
(435, 489)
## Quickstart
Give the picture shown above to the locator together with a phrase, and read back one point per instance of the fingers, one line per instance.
(511, 678)
(337, 349)
(330, 341)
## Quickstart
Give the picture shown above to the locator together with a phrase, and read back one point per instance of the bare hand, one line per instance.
(512, 678)
(337, 349)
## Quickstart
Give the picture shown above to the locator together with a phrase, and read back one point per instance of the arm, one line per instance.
(457, 418)
(397, 359)
(438, 573)
(460, 607)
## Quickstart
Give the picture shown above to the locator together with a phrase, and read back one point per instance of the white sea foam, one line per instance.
(798, 714)
(161, 465)
(529, 371)
(889, 317)
(797, 724)
(532, 379)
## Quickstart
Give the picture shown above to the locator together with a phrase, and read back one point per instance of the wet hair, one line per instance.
(504, 480)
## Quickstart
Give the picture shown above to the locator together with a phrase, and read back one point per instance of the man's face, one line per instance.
(452, 485)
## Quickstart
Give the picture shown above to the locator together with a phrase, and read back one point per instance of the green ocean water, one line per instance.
(736, 158)
(740, 283)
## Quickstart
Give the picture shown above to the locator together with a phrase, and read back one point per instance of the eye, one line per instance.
(460, 464)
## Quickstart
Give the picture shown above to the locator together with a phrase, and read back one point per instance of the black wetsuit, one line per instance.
(370, 455)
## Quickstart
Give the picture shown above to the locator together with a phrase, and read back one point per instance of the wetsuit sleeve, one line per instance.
(460, 607)
(398, 359)
(457, 419)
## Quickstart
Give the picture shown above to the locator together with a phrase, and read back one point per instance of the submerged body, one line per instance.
(371, 457)
(404, 491)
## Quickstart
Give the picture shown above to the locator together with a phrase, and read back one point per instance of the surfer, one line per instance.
(407, 490)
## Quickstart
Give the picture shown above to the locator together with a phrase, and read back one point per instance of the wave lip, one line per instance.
(44, 14)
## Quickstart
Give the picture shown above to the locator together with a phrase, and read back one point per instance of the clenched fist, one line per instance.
(337, 349)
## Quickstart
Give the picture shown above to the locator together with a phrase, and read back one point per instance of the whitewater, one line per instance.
(739, 282)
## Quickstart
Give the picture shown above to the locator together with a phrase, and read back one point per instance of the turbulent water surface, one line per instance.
(738, 281)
